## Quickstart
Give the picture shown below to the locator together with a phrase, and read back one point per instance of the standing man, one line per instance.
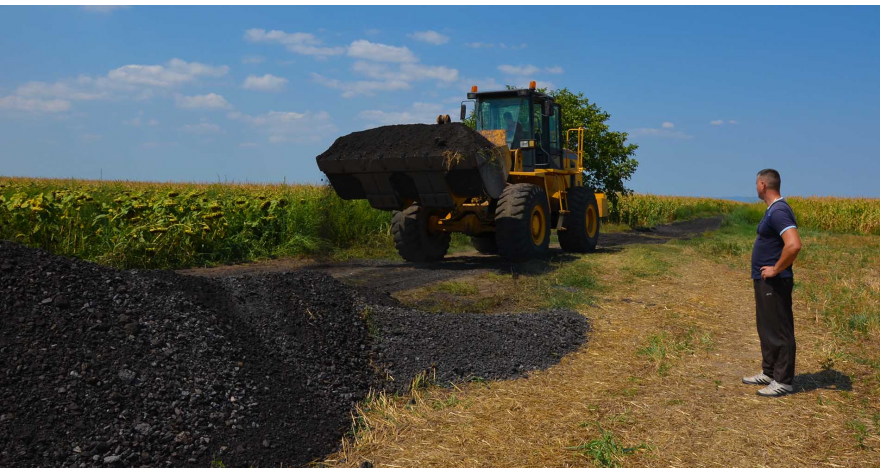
(775, 249)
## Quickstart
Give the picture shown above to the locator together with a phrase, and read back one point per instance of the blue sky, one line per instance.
(711, 95)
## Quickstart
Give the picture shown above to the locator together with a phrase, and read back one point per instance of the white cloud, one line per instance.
(430, 36)
(717, 122)
(266, 82)
(282, 127)
(665, 132)
(90, 138)
(732, 122)
(203, 128)
(480, 44)
(300, 43)
(252, 60)
(386, 77)
(57, 90)
(173, 73)
(417, 72)
(364, 49)
(105, 9)
(33, 105)
(407, 72)
(372, 32)
(248, 145)
(206, 101)
(419, 112)
(153, 122)
(353, 88)
(526, 70)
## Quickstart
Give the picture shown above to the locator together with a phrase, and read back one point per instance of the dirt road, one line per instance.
(390, 276)
(673, 333)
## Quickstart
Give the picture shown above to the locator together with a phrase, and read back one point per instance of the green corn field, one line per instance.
(174, 225)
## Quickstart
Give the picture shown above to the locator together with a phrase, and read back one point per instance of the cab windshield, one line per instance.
(510, 115)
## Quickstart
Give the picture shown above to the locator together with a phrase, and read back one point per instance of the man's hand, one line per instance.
(768, 272)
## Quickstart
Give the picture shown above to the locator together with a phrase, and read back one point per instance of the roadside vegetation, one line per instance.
(658, 383)
(175, 225)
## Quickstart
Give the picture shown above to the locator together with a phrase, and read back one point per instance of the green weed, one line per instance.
(605, 451)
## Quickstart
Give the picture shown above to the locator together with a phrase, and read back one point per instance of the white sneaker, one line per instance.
(775, 389)
(759, 379)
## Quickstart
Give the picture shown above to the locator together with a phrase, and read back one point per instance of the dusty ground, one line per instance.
(674, 332)
(390, 276)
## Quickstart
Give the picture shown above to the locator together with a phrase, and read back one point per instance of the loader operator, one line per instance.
(514, 131)
(776, 247)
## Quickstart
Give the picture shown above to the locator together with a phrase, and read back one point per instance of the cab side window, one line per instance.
(554, 129)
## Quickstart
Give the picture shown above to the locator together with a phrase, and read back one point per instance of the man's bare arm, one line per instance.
(792, 241)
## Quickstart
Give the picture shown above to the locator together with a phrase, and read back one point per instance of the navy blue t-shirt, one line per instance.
(768, 246)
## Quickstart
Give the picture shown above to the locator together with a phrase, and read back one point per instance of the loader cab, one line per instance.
(527, 119)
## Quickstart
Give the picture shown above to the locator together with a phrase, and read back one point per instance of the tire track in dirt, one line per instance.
(390, 276)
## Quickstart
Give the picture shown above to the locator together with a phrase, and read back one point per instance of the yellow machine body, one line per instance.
(471, 216)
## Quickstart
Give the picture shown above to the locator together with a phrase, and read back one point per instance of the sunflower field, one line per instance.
(153, 225)
(173, 225)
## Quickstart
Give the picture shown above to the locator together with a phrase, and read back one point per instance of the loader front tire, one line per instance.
(581, 232)
(485, 244)
(412, 239)
(522, 222)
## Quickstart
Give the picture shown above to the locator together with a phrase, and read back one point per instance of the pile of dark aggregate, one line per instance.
(102, 367)
(450, 347)
(407, 140)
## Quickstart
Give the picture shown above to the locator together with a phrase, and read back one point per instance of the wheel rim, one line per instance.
(538, 225)
(592, 221)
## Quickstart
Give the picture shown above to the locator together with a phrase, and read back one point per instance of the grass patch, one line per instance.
(646, 261)
(457, 287)
(663, 347)
(605, 451)
(835, 274)
(859, 432)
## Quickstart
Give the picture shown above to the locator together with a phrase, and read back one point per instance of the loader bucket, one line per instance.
(430, 164)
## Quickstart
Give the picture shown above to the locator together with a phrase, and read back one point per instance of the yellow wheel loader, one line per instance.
(508, 195)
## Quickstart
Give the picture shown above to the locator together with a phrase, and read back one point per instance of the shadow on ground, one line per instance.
(828, 379)
(389, 276)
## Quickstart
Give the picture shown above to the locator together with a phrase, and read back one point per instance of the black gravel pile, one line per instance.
(453, 347)
(110, 368)
(407, 140)
(100, 367)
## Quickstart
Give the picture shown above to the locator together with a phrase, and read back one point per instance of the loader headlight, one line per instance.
(527, 144)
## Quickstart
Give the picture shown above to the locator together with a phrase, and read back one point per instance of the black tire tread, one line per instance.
(512, 222)
(574, 238)
(411, 237)
(485, 244)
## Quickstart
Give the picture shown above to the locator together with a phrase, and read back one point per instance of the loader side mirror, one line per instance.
(463, 112)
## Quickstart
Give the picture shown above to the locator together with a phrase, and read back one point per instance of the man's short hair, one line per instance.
(508, 115)
(771, 178)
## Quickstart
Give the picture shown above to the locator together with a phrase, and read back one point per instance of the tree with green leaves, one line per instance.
(608, 158)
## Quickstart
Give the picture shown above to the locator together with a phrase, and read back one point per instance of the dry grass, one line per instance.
(661, 373)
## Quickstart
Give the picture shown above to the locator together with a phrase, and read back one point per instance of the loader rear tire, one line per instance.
(581, 232)
(412, 239)
(485, 244)
(522, 222)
